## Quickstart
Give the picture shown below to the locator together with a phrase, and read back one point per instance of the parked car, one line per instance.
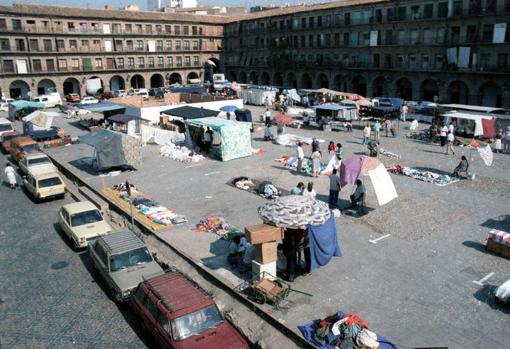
(144, 94)
(108, 95)
(182, 315)
(73, 98)
(82, 222)
(503, 292)
(120, 93)
(5, 126)
(35, 161)
(21, 146)
(122, 260)
(89, 100)
(50, 100)
(6, 139)
(4, 106)
(44, 184)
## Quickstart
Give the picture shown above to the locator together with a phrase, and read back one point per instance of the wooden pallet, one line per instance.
(113, 196)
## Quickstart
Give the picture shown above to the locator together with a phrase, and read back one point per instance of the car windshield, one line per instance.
(31, 148)
(196, 323)
(5, 127)
(39, 161)
(130, 259)
(86, 217)
(49, 182)
(7, 137)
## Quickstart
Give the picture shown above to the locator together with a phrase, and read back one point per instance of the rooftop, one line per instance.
(38, 10)
(122, 241)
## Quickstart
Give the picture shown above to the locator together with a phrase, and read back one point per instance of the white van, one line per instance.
(50, 100)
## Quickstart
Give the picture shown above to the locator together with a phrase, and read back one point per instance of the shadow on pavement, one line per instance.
(486, 294)
(501, 222)
(475, 245)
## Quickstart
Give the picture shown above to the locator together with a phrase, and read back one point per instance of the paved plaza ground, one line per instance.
(414, 287)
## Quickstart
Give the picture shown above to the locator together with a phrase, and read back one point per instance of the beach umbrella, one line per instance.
(229, 108)
(285, 119)
(294, 211)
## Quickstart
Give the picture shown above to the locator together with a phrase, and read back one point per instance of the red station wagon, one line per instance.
(179, 314)
(6, 139)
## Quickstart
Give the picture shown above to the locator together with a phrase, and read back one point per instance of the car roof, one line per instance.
(79, 206)
(23, 140)
(4, 121)
(36, 155)
(45, 172)
(178, 292)
(122, 241)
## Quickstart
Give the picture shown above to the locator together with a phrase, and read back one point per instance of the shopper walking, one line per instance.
(443, 134)
(506, 149)
(450, 138)
(316, 163)
(497, 141)
(387, 127)
(10, 173)
(377, 130)
(334, 189)
(366, 133)
(300, 157)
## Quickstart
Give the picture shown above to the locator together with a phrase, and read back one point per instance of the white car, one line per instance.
(4, 106)
(89, 100)
(36, 161)
(81, 222)
(503, 292)
(120, 93)
(5, 126)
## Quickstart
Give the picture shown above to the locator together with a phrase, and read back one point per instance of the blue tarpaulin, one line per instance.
(308, 330)
(332, 107)
(188, 89)
(323, 243)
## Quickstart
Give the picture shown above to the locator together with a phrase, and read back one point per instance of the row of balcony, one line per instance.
(49, 30)
(92, 49)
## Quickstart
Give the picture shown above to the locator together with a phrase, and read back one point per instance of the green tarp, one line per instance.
(235, 136)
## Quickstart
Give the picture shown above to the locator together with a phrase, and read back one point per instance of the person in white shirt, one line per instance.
(443, 133)
(450, 138)
(451, 128)
(10, 173)
(300, 156)
(366, 133)
(268, 117)
(309, 191)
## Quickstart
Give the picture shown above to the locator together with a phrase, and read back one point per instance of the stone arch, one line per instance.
(291, 80)
(306, 81)
(19, 89)
(175, 78)
(137, 81)
(242, 77)
(264, 78)
(380, 87)
(490, 95)
(404, 89)
(192, 76)
(253, 78)
(359, 85)
(157, 80)
(458, 92)
(339, 83)
(278, 79)
(46, 86)
(117, 83)
(322, 81)
(428, 90)
(71, 85)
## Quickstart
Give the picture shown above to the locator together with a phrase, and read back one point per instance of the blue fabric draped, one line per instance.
(323, 243)
(308, 330)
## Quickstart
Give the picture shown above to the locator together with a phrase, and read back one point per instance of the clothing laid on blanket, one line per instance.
(343, 331)
(428, 176)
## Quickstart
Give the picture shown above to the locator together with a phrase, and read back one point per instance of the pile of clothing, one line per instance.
(268, 190)
(389, 154)
(243, 183)
(218, 226)
(343, 331)
(421, 136)
(428, 176)
(307, 166)
(396, 169)
(182, 154)
(149, 208)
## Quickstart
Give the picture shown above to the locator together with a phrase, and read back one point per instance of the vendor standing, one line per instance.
(267, 117)
(208, 137)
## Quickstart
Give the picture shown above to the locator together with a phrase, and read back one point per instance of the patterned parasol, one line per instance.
(294, 211)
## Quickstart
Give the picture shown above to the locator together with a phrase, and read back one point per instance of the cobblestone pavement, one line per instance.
(49, 297)
(415, 287)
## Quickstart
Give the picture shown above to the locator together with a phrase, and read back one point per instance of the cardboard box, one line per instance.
(258, 269)
(266, 252)
(502, 250)
(260, 233)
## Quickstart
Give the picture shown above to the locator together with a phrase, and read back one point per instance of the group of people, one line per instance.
(502, 141)
(367, 130)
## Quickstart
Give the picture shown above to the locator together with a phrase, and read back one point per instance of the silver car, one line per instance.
(123, 261)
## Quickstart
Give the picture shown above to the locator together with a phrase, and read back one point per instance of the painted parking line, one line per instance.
(374, 241)
(190, 166)
(211, 173)
(485, 278)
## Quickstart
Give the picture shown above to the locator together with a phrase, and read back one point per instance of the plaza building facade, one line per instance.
(453, 51)
(47, 47)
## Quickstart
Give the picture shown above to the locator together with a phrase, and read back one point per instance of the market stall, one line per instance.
(107, 109)
(258, 96)
(19, 109)
(471, 124)
(358, 166)
(114, 149)
(125, 123)
(231, 139)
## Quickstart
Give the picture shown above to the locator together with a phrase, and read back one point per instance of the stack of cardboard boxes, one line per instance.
(265, 239)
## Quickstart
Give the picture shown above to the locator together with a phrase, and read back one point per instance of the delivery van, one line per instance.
(50, 100)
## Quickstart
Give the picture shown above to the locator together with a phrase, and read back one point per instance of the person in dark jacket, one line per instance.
(462, 167)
